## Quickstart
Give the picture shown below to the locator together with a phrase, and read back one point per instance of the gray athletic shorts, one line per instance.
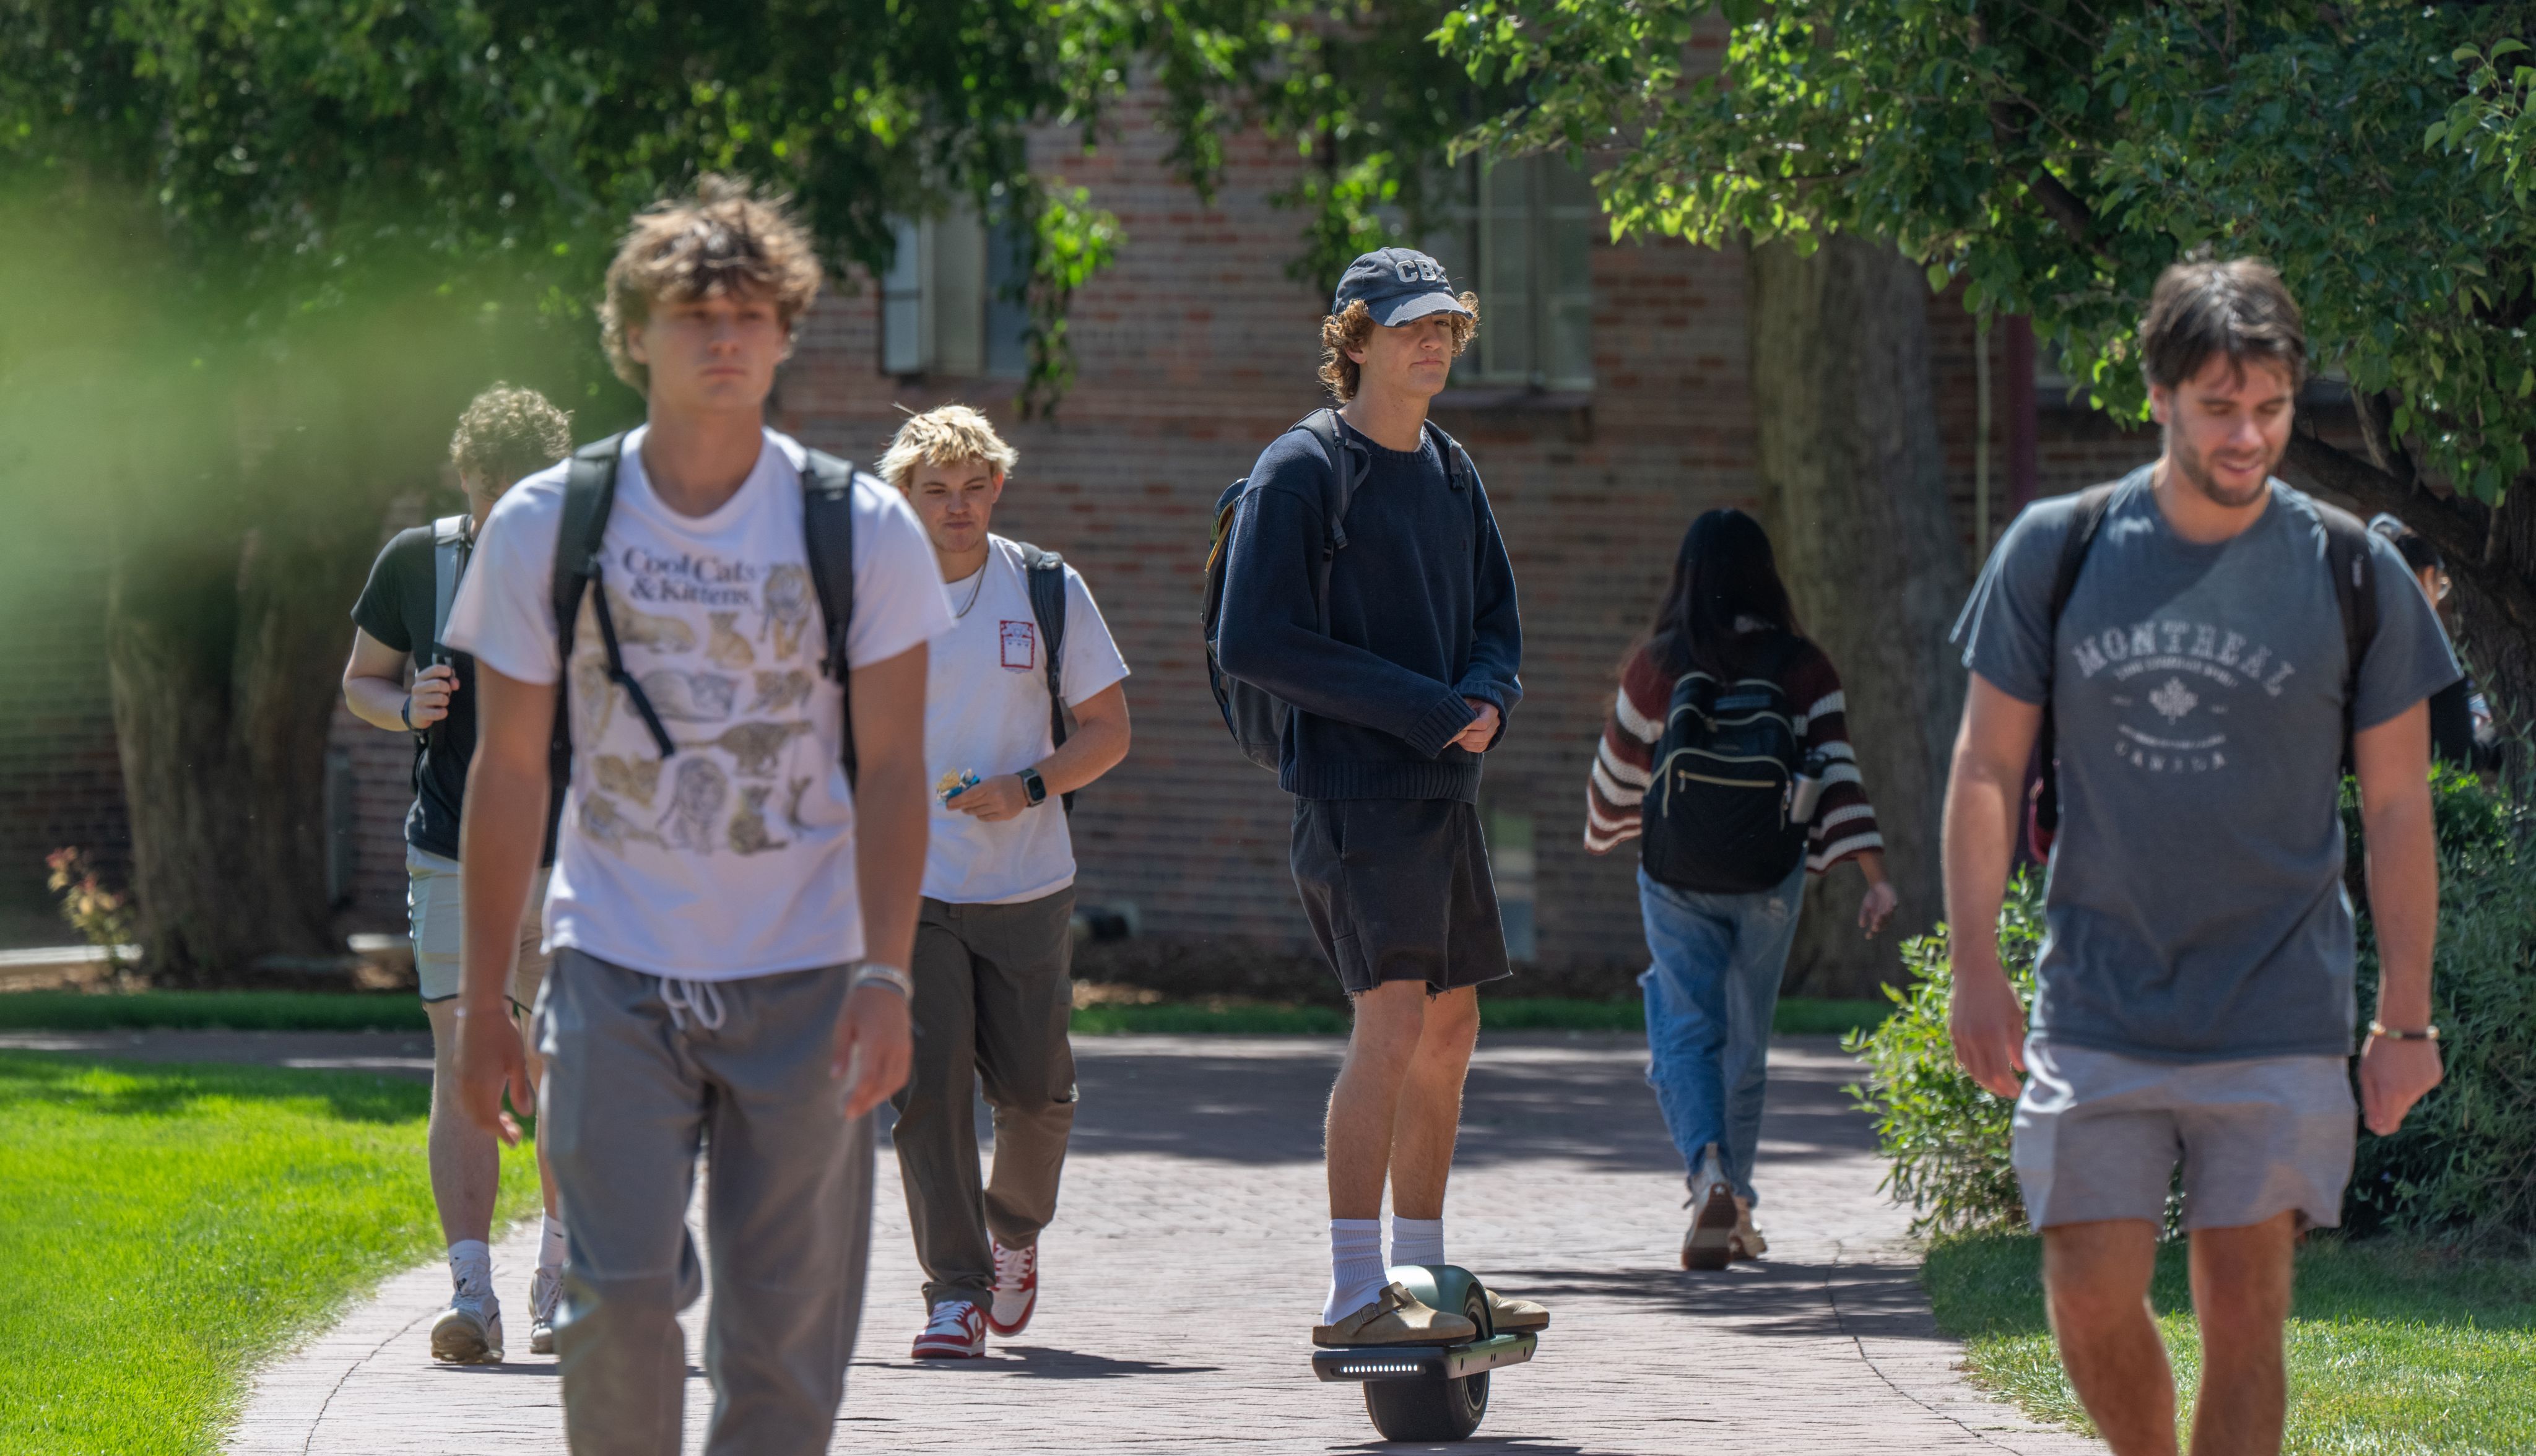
(2097, 1136)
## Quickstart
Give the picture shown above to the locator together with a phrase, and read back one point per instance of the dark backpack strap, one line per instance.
(2354, 593)
(1459, 473)
(828, 538)
(2085, 522)
(1045, 573)
(1323, 426)
(589, 493)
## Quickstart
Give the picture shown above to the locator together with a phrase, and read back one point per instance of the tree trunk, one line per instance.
(224, 651)
(1853, 480)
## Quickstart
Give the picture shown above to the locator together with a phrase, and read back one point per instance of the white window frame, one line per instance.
(939, 313)
(1526, 299)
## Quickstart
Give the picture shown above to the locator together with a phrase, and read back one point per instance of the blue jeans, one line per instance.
(1710, 995)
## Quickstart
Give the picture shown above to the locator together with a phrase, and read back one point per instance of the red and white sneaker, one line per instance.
(1016, 1290)
(957, 1331)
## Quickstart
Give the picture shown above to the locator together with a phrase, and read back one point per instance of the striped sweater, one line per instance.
(1844, 822)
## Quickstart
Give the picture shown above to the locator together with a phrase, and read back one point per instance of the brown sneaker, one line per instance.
(1508, 1316)
(1747, 1244)
(1396, 1317)
(1706, 1245)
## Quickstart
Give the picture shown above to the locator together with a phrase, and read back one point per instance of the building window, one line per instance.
(950, 303)
(1519, 234)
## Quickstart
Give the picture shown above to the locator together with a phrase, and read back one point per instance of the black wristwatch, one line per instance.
(1034, 787)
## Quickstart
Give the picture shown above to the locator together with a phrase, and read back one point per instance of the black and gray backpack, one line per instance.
(1717, 818)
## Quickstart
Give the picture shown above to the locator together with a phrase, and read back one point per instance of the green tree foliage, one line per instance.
(262, 250)
(2057, 155)
(307, 153)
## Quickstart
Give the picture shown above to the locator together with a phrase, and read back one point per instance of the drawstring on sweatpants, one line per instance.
(702, 997)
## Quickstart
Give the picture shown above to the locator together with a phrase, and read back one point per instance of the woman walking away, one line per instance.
(2462, 733)
(1727, 758)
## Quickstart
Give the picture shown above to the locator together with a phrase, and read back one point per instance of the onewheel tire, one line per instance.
(1432, 1408)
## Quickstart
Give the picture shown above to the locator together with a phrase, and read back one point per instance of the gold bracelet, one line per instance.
(2381, 1029)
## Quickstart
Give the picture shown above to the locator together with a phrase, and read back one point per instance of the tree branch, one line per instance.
(2060, 204)
(2457, 528)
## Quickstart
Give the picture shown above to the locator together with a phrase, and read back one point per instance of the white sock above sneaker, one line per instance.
(1355, 1267)
(550, 1244)
(1417, 1241)
(470, 1265)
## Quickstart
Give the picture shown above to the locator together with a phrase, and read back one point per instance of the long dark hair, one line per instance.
(1724, 572)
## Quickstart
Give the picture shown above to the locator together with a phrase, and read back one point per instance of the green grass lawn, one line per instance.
(305, 1011)
(2392, 1347)
(163, 1227)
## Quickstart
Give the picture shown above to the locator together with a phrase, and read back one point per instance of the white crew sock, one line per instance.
(550, 1244)
(1417, 1241)
(1355, 1267)
(470, 1265)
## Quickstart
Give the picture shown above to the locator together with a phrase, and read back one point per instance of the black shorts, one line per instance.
(1398, 889)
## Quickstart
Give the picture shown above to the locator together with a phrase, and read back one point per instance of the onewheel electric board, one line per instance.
(1430, 1392)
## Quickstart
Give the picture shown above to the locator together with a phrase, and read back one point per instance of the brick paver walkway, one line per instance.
(1189, 1259)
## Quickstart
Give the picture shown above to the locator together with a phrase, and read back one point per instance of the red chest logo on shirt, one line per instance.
(1021, 646)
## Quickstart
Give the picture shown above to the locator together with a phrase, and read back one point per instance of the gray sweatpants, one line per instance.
(633, 1093)
(993, 999)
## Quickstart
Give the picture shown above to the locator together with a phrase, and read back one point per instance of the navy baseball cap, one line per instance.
(1396, 285)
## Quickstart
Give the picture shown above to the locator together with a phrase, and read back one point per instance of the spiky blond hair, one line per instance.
(945, 436)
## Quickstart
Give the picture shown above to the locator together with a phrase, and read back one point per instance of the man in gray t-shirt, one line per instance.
(2194, 993)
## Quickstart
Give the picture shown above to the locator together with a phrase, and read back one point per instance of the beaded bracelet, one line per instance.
(2381, 1029)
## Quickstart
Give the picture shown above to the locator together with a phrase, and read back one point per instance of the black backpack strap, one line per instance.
(2354, 593)
(1459, 473)
(2086, 522)
(1323, 426)
(589, 493)
(1045, 573)
(828, 538)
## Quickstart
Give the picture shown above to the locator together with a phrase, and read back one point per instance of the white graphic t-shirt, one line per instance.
(987, 713)
(733, 857)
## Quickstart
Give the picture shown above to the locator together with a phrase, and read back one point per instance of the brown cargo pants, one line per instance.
(993, 999)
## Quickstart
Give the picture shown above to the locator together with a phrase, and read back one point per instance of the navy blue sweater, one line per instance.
(1421, 616)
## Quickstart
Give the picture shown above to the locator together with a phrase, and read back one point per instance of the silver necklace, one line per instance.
(975, 591)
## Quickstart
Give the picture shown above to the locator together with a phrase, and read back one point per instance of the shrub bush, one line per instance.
(1946, 1138)
(2463, 1165)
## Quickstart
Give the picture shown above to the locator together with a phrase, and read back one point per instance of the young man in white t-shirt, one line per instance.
(994, 942)
(729, 915)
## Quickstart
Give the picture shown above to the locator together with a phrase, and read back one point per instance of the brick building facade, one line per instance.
(1194, 350)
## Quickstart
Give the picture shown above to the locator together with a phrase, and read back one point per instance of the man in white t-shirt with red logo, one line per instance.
(1026, 705)
(736, 881)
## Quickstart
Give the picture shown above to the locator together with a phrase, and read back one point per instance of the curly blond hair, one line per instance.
(949, 435)
(1341, 332)
(507, 433)
(727, 239)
